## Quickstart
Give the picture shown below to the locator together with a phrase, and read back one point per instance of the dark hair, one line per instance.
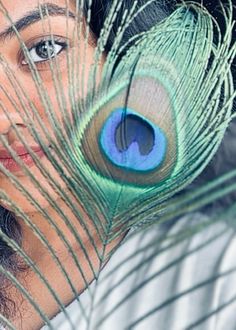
(8, 259)
(153, 13)
(149, 16)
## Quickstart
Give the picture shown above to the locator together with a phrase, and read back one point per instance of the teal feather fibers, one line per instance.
(179, 58)
(177, 77)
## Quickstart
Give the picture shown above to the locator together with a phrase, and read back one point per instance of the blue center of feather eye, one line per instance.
(131, 141)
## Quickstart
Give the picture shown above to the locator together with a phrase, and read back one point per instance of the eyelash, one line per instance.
(52, 41)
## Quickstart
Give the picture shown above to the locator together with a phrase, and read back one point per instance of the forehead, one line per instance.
(18, 8)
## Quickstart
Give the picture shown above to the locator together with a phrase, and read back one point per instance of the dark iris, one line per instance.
(45, 50)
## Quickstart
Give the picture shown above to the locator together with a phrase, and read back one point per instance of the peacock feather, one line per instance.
(126, 146)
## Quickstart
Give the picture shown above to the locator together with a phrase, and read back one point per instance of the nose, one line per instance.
(10, 112)
(7, 122)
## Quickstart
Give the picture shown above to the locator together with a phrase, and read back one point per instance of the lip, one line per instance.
(11, 165)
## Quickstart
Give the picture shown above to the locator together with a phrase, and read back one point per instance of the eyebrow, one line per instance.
(31, 17)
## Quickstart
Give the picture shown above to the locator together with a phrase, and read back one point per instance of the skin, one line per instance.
(10, 49)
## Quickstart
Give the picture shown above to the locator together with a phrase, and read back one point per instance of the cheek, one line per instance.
(37, 193)
(51, 100)
(54, 101)
(62, 85)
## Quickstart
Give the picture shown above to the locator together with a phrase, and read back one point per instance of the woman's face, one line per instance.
(37, 36)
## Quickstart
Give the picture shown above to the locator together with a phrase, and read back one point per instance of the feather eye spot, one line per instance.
(132, 142)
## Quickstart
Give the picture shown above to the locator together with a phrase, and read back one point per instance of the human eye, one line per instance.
(43, 50)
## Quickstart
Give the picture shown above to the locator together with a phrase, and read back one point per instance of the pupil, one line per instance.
(45, 50)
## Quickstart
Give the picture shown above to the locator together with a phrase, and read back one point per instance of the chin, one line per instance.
(17, 200)
(23, 205)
